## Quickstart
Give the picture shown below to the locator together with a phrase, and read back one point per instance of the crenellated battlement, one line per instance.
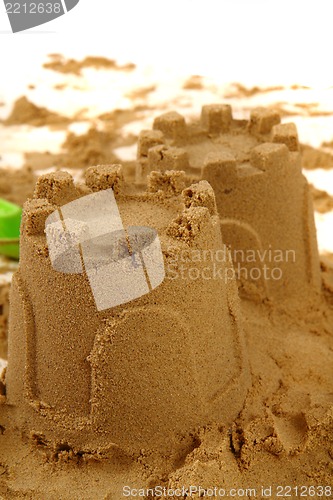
(105, 177)
(216, 118)
(217, 142)
(262, 120)
(148, 139)
(286, 133)
(271, 158)
(57, 188)
(200, 194)
(170, 182)
(190, 224)
(164, 157)
(172, 125)
(35, 213)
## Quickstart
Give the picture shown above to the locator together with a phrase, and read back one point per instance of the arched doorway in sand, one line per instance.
(248, 256)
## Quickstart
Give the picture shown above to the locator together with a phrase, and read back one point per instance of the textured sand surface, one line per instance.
(283, 432)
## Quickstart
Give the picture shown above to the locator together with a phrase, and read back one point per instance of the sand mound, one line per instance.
(26, 112)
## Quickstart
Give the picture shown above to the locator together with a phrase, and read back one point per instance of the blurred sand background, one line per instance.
(246, 53)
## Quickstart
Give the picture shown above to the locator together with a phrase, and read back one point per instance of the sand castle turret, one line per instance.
(263, 200)
(146, 371)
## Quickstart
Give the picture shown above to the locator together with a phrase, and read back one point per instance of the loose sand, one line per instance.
(62, 65)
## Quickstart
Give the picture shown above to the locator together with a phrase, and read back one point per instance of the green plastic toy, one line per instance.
(10, 220)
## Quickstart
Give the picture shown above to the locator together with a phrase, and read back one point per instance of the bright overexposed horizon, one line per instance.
(255, 42)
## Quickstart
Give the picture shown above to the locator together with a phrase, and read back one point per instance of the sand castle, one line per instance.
(262, 197)
(141, 374)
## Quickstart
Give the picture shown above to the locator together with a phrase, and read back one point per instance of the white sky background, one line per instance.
(255, 42)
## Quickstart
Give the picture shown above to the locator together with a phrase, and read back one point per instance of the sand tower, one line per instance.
(262, 197)
(142, 373)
